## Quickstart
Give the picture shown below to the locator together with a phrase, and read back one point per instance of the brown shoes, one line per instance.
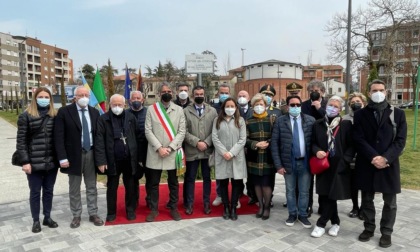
(96, 220)
(75, 223)
(175, 214)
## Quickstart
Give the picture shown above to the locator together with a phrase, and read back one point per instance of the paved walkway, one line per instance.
(209, 234)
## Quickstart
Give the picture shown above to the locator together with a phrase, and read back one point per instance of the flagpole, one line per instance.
(416, 107)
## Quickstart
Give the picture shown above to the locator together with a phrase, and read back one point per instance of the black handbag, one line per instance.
(16, 159)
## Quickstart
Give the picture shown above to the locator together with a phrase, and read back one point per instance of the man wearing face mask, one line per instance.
(244, 105)
(223, 94)
(182, 99)
(139, 111)
(165, 132)
(314, 107)
(379, 144)
(199, 118)
(290, 150)
(116, 153)
(74, 139)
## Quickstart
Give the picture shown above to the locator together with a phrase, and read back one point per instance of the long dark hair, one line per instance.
(222, 113)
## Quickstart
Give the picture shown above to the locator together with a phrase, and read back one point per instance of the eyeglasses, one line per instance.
(295, 105)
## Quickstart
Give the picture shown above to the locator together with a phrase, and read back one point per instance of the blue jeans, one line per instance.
(302, 177)
(189, 182)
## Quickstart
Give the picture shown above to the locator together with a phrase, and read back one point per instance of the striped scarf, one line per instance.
(331, 136)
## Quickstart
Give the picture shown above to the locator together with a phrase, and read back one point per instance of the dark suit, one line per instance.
(68, 143)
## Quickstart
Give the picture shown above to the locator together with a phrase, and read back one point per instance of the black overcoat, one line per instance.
(68, 136)
(373, 140)
(104, 147)
(335, 181)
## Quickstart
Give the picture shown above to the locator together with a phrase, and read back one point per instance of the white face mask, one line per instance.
(183, 95)
(259, 109)
(242, 101)
(230, 111)
(377, 97)
(83, 102)
(117, 110)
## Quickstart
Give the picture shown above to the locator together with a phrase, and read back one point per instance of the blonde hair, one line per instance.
(357, 94)
(33, 107)
(258, 97)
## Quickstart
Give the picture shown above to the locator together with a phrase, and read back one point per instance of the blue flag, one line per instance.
(127, 85)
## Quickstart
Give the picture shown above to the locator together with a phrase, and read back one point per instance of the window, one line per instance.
(52, 69)
(415, 33)
(400, 80)
(399, 66)
(337, 71)
(45, 51)
(36, 50)
(15, 54)
(46, 77)
(400, 50)
(45, 60)
(415, 49)
(339, 89)
(381, 70)
(259, 65)
(45, 68)
(383, 35)
(7, 42)
(8, 52)
(399, 96)
(270, 65)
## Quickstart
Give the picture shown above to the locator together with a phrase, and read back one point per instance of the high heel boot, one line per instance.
(226, 212)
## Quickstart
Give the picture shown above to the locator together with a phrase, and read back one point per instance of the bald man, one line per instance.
(244, 104)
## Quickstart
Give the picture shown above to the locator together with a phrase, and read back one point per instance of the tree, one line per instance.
(63, 91)
(388, 15)
(373, 75)
(208, 78)
(130, 70)
(89, 73)
(110, 79)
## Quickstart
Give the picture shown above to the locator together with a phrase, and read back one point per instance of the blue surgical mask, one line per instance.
(294, 111)
(43, 102)
(223, 97)
(331, 111)
(269, 99)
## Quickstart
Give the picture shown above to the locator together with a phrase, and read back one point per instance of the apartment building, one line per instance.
(395, 51)
(26, 63)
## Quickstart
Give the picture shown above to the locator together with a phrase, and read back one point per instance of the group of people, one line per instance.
(243, 138)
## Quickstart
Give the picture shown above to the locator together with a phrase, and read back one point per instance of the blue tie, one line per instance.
(86, 134)
(296, 142)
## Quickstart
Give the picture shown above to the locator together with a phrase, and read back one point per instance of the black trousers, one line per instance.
(224, 190)
(329, 211)
(154, 177)
(389, 212)
(124, 168)
(45, 181)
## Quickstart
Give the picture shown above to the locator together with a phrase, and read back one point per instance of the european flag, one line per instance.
(127, 84)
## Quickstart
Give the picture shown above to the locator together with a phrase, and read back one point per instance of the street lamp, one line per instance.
(279, 75)
(17, 99)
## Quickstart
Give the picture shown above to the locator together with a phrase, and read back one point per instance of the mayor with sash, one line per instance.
(165, 132)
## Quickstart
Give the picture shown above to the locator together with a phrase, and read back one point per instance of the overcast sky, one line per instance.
(139, 32)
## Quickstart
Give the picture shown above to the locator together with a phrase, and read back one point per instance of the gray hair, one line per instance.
(135, 92)
(258, 97)
(163, 84)
(336, 98)
(115, 96)
(316, 83)
(77, 89)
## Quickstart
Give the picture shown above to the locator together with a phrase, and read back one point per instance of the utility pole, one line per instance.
(348, 66)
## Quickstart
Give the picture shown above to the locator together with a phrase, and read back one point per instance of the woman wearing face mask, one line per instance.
(333, 135)
(259, 162)
(229, 137)
(36, 151)
(356, 102)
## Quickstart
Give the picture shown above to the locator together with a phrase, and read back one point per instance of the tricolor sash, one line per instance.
(180, 161)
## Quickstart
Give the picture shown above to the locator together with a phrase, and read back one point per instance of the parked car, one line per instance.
(405, 105)
(411, 105)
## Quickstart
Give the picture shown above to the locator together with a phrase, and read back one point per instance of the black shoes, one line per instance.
(175, 215)
(189, 210)
(226, 212)
(111, 217)
(207, 209)
(131, 216)
(36, 227)
(252, 201)
(50, 223)
(151, 216)
(233, 215)
(266, 214)
(385, 241)
(309, 211)
(354, 213)
(365, 236)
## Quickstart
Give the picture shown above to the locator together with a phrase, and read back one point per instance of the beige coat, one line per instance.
(228, 138)
(198, 129)
(157, 137)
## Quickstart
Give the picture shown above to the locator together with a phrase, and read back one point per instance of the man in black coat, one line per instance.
(380, 133)
(182, 97)
(116, 153)
(74, 145)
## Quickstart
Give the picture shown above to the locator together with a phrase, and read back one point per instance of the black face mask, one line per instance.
(198, 100)
(314, 96)
(136, 105)
(356, 106)
(166, 97)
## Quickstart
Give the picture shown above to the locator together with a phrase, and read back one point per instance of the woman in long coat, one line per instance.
(258, 154)
(229, 137)
(334, 183)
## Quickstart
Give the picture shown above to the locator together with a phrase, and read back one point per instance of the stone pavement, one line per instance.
(208, 234)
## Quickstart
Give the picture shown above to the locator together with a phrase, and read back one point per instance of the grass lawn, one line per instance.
(409, 161)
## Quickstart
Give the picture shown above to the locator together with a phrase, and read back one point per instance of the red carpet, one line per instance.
(143, 211)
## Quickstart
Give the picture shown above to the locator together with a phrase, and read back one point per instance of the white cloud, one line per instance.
(14, 27)
(96, 4)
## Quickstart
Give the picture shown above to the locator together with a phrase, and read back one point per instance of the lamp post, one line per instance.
(243, 49)
(17, 99)
(279, 75)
